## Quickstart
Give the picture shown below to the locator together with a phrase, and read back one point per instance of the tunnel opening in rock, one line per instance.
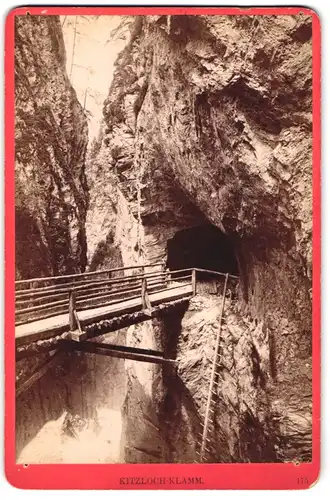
(205, 247)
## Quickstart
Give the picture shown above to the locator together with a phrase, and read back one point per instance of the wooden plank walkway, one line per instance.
(55, 325)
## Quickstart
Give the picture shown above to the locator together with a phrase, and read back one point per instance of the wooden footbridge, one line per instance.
(59, 313)
(80, 306)
(48, 307)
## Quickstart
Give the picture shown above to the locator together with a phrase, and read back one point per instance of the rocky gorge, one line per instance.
(203, 160)
(51, 135)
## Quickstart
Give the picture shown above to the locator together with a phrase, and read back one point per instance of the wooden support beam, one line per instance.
(134, 354)
(37, 374)
(119, 348)
(77, 321)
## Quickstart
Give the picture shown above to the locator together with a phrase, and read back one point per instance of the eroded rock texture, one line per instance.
(208, 120)
(50, 146)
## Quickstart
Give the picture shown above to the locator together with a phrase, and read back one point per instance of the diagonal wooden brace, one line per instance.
(76, 332)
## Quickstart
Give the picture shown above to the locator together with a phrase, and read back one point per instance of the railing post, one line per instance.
(167, 277)
(163, 271)
(76, 332)
(72, 308)
(143, 278)
(146, 304)
(194, 282)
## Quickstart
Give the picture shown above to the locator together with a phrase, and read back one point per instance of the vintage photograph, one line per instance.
(163, 239)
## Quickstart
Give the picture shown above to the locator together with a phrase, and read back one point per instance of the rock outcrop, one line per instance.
(208, 120)
(50, 147)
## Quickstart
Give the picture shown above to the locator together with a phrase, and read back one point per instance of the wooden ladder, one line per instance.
(214, 382)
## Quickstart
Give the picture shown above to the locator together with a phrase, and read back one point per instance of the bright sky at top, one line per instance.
(91, 54)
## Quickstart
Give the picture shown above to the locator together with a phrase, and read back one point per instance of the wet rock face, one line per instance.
(208, 119)
(50, 146)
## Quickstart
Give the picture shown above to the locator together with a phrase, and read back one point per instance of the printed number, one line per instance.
(303, 480)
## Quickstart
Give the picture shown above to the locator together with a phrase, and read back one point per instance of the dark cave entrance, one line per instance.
(205, 247)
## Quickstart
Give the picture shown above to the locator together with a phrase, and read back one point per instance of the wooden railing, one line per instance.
(42, 298)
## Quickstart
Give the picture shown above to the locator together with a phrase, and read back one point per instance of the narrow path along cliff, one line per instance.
(190, 146)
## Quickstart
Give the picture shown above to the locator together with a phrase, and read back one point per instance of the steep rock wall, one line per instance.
(73, 413)
(209, 119)
(50, 147)
(101, 233)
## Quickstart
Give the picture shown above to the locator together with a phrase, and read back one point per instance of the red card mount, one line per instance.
(193, 306)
